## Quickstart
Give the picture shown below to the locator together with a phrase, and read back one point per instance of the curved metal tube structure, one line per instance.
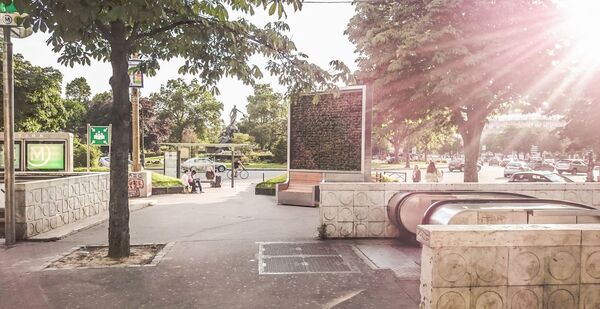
(509, 211)
(407, 209)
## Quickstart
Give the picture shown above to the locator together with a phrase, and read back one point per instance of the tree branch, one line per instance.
(162, 29)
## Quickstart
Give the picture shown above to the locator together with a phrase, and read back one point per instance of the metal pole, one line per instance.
(135, 127)
(109, 138)
(232, 163)
(87, 148)
(143, 155)
(9, 150)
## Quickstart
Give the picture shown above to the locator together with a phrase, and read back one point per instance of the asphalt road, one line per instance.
(488, 174)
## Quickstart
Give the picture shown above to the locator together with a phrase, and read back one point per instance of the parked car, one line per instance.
(504, 162)
(538, 177)
(493, 162)
(105, 161)
(201, 164)
(573, 166)
(515, 167)
(541, 166)
(459, 165)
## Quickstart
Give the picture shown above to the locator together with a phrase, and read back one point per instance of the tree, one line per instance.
(78, 90)
(266, 120)
(397, 131)
(188, 106)
(99, 109)
(77, 97)
(38, 103)
(582, 124)
(212, 44)
(280, 150)
(470, 57)
(156, 130)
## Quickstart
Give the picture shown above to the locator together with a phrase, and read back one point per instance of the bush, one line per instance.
(80, 155)
(280, 151)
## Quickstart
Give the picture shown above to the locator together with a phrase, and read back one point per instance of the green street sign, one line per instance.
(7, 6)
(99, 136)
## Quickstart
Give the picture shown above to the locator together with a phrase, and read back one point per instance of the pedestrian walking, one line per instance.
(433, 174)
(416, 175)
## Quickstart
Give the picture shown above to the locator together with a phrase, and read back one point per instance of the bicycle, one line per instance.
(243, 174)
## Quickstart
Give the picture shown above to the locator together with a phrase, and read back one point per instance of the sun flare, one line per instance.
(583, 24)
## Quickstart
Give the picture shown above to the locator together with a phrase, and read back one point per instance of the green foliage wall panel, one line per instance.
(327, 136)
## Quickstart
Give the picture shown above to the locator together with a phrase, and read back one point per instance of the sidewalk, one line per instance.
(214, 262)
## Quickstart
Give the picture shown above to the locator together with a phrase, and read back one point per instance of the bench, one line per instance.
(301, 189)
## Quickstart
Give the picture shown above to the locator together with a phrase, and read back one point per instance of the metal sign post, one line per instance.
(9, 150)
(87, 149)
(10, 28)
(136, 81)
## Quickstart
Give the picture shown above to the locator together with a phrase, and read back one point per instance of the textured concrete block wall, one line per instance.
(517, 266)
(48, 204)
(359, 210)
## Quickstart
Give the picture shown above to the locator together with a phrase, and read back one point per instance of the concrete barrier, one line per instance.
(358, 210)
(512, 266)
(43, 205)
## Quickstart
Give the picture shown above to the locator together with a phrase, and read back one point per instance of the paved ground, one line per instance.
(213, 263)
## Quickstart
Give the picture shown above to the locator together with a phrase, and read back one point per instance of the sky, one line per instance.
(317, 30)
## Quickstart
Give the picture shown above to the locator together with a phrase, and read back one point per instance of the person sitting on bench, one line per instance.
(196, 183)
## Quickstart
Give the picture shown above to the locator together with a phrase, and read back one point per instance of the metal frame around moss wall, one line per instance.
(363, 88)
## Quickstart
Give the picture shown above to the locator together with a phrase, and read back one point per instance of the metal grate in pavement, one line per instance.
(286, 264)
(299, 258)
(317, 264)
(277, 249)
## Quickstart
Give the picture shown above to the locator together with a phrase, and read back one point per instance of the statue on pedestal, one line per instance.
(227, 134)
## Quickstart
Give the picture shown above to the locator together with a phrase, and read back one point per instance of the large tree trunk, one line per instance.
(407, 155)
(397, 152)
(118, 222)
(471, 134)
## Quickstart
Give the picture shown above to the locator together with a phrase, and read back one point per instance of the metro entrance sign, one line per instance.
(99, 136)
(8, 13)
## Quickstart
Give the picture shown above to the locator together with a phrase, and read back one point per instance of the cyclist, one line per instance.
(237, 165)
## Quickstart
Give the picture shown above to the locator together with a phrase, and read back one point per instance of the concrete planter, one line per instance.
(264, 191)
(167, 190)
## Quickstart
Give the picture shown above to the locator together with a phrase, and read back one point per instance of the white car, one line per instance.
(201, 164)
(515, 167)
(105, 161)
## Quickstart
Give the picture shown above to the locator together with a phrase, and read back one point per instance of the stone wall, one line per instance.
(139, 184)
(357, 210)
(516, 266)
(48, 204)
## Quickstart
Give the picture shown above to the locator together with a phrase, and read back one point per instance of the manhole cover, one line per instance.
(295, 258)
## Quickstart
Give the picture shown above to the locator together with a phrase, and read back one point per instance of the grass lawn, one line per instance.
(159, 180)
(270, 183)
(261, 165)
(92, 169)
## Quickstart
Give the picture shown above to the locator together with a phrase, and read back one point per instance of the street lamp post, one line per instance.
(9, 135)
